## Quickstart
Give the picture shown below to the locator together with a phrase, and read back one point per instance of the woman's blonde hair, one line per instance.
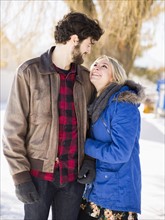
(118, 72)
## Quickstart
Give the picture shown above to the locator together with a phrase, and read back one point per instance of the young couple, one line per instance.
(53, 101)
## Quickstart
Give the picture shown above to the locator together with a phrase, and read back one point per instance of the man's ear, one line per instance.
(74, 39)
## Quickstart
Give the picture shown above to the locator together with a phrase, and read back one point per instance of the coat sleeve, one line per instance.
(124, 128)
(15, 125)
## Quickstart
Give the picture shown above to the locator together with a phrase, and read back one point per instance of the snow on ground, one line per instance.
(152, 163)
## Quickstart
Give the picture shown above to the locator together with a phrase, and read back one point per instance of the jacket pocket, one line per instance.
(106, 184)
(39, 132)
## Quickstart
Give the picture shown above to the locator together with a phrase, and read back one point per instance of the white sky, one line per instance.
(155, 56)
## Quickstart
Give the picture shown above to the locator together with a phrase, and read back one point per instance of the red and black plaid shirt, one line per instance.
(67, 162)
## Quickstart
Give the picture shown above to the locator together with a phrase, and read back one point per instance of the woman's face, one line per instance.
(101, 73)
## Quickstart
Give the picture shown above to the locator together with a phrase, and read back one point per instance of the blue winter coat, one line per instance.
(114, 143)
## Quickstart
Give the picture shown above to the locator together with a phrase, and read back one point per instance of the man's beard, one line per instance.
(77, 56)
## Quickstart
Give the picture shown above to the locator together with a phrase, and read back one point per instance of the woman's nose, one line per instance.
(96, 67)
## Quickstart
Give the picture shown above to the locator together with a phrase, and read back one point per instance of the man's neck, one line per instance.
(61, 57)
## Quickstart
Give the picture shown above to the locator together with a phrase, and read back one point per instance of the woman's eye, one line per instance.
(104, 66)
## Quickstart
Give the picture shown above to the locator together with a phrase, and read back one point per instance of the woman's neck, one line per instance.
(100, 90)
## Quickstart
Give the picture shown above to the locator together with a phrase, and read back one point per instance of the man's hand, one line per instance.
(26, 192)
(87, 172)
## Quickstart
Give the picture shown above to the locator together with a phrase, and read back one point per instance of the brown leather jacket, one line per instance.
(31, 123)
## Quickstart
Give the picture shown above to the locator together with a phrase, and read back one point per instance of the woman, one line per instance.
(114, 143)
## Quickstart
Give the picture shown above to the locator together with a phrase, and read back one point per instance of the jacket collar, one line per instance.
(46, 65)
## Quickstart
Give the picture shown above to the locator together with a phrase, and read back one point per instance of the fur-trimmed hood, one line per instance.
(131, 92)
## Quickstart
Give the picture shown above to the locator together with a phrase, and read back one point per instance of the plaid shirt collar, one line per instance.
(70, 71)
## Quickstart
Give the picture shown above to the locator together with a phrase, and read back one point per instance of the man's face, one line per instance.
(81, 50)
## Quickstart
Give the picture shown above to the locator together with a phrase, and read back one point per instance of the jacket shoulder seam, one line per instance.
(27, 63)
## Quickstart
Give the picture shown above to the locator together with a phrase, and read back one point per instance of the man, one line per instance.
(46, 123)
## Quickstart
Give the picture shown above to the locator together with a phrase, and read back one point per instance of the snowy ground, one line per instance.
(152, 162)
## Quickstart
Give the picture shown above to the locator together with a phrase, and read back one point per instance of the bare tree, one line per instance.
(122, 22)
(29, 21)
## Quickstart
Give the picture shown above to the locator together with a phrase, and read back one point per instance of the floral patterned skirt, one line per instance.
(100, 213)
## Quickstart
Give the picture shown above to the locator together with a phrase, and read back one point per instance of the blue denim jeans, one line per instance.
(63, 199)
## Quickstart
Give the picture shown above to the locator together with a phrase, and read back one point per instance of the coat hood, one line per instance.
(131, 92)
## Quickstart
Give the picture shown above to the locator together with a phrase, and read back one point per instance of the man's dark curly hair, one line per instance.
(79, 24)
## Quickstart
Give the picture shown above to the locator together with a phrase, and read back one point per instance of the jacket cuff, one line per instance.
(22, 177)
